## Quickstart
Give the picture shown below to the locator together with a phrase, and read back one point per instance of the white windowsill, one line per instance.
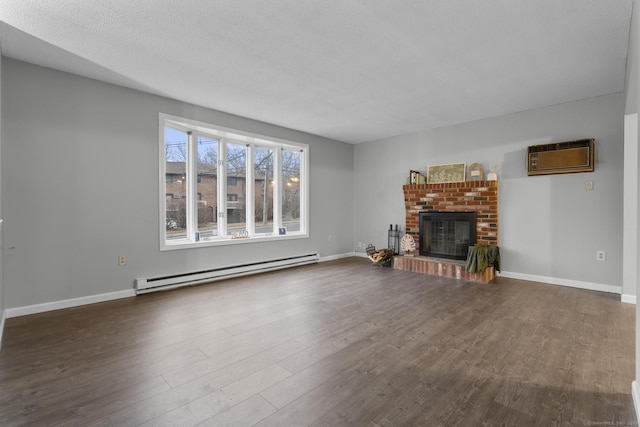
(219, 241)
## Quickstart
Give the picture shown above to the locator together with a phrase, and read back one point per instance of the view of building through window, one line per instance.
(207, 155)
(236, 212)
(176, 183)
(199, 207)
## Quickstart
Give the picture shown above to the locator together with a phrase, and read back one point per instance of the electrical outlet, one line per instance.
(330, 237)
(588, 185)
(122, 260)
(601, 256)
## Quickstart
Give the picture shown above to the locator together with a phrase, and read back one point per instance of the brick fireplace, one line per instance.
(480, 197)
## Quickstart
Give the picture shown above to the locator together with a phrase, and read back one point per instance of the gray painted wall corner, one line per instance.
(2, 298)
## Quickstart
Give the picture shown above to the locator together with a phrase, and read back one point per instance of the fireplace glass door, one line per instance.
(447, 234)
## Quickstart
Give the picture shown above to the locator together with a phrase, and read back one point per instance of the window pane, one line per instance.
(207, 182)
(206, 194)
(291, 190)
(176, 183)
(263, 176)
(236, 188)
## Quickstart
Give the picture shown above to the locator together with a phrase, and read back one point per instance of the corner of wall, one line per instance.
(630, 206)
(2, 303)
(2, 318)
(632, 102)
(632, 91)
(635, 394)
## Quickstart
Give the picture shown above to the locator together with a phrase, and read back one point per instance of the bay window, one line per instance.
(232, 186)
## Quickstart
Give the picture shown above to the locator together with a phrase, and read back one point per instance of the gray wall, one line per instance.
(632, 104)
(549, 225)
(2, 304)
(81, 187)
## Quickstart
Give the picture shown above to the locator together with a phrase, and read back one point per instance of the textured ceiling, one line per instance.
(351, 70)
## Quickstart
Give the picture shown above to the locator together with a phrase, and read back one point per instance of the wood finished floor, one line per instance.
(337, 343)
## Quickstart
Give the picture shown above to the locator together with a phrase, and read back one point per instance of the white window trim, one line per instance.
(194, 128)
(277, 191)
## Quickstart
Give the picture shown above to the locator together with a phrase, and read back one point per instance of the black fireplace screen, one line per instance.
(447, 234)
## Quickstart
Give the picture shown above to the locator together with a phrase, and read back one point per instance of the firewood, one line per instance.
(381, 255)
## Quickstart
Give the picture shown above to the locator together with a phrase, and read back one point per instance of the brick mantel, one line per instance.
(478, 196)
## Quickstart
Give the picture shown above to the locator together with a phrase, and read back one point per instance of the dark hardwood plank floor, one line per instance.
(341, 343)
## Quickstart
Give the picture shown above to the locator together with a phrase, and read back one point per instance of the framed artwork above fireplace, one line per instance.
(452, 172)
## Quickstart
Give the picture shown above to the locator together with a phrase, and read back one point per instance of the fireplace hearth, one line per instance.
(447, 234)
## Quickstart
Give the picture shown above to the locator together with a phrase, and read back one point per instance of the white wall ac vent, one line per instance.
(151, 284)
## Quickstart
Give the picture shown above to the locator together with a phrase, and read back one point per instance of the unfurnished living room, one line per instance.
(319, 213)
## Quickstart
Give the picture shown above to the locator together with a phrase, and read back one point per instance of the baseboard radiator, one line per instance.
(161, 283)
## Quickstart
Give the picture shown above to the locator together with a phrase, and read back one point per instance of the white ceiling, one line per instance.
(351, 70)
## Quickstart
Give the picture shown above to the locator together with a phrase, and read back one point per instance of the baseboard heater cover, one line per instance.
(152, 284)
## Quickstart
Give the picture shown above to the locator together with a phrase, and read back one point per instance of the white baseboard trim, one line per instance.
(629, 299)
(564, 282)
(92, 299)
(335, 257)
(635, 394)
(67, 303)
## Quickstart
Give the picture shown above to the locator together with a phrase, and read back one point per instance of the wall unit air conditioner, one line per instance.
(561, 157)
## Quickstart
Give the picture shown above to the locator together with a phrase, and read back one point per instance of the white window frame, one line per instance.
(227, 135)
